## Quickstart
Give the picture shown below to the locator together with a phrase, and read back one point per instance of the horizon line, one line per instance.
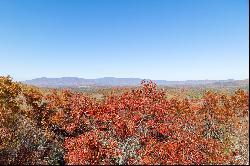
(133, 78)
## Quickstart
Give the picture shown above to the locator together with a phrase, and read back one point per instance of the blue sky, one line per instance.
(155, 39)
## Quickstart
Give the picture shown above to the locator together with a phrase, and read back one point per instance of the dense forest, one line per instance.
(135, 126)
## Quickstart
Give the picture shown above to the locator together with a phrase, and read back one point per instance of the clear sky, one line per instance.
(155, 39)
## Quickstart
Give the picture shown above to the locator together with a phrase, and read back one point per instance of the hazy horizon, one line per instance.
(154, 39)
(126, 77)
(23, 79)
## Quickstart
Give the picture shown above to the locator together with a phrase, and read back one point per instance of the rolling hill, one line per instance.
(112, 81)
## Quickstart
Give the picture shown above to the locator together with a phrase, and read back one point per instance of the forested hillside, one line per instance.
(139, 126)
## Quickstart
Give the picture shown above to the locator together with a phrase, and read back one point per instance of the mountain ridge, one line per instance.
(113, 81)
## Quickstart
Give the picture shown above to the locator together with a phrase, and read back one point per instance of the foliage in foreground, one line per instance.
(141, 126)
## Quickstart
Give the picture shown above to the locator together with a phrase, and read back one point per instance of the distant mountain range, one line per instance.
(112, 81)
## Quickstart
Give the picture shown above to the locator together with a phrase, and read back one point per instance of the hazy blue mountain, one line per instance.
(112, 81)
